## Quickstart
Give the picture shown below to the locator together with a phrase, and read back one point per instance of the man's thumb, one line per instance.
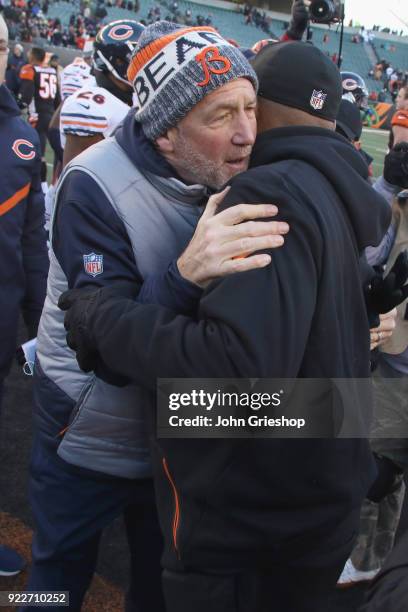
(214, 201)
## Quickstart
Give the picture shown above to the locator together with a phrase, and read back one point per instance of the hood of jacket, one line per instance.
(8, 106)
(342, 165)
(141, 151)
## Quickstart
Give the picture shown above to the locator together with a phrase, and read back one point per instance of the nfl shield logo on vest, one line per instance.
(317, 100)
(93, 264)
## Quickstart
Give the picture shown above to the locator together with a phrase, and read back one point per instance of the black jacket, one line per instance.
(234, 504)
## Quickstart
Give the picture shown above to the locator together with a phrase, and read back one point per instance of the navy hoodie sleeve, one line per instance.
(248, 324)
(86, 223)
(170, 289)
(87, 228)
(35, 254)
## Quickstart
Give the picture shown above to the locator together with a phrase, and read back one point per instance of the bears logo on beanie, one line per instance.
(174, 67)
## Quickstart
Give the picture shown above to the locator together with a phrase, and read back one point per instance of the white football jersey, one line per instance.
(91, 111)
(74, 76)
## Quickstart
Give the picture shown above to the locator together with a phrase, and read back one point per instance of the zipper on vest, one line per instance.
(176, 517)
(87, 388)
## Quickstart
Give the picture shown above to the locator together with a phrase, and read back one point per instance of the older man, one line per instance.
(255, 524)
(125, 212)
(15, 62)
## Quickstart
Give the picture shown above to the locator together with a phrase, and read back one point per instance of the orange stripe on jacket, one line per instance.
(141, 58)
(176, 517)
(15, 199)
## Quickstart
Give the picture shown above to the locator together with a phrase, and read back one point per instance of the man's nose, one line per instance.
(245, 130)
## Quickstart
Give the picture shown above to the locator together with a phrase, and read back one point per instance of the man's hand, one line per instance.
(222, 244)
(299, 21)
(386, 293)
(380, 334)
(33, 119)
(81, 306)
(261, 44)
(396, 165)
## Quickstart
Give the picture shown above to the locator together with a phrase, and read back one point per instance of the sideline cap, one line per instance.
(299, 75)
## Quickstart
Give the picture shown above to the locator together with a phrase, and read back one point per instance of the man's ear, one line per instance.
(165, 143)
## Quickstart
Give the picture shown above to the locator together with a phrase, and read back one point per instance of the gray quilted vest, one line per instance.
(108, 431)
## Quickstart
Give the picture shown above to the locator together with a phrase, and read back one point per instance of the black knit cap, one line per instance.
(299, 75)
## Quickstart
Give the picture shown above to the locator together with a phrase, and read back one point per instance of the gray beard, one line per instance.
(197, 168)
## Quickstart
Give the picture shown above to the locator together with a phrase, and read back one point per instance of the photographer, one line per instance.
(317, 11)
(298, 22)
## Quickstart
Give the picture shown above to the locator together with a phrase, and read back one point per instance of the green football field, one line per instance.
(374, 142)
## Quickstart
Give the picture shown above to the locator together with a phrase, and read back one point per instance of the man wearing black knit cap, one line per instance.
(348, 122)
(257, 524)
(350, 125)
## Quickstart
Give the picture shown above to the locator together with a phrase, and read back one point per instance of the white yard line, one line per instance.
(374, 131)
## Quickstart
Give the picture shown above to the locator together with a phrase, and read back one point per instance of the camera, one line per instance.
(326, 11)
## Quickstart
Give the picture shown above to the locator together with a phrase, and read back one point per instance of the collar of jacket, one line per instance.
(8, 106)
(303, 142)
(386, 189)
(154, 166)
(339, 162)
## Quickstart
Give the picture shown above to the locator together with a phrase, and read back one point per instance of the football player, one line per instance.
(39, 94)
(399, 122)
(91, 113)
(76, 75)
(354, 89)
(73, 77)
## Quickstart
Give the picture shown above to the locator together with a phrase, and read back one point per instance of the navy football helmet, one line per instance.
(354, 89)
(114, 45)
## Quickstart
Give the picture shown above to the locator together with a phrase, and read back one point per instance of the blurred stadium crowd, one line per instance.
(383, 63)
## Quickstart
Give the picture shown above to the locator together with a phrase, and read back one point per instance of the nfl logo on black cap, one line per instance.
(317, 99)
